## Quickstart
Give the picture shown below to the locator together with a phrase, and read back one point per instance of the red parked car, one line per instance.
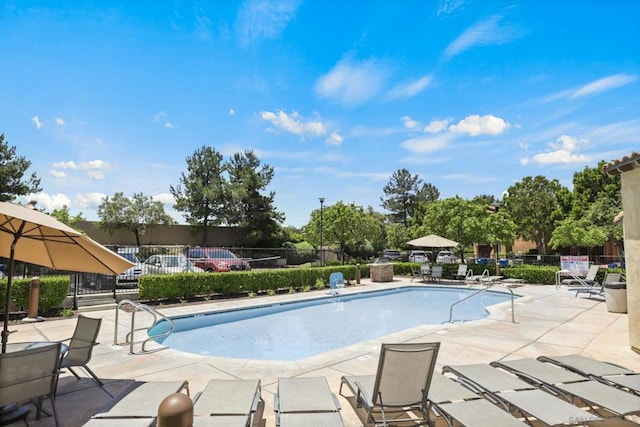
(216, 259)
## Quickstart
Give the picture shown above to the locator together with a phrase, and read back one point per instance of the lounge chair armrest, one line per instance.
(363, 392)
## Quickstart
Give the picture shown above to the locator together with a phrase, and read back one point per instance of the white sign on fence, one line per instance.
(574, 265)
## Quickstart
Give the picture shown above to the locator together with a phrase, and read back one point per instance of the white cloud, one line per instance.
(352, 83)
(293, 123)
(409, 123)
(559, 156)
(486, 32)
(158, 117)
(58, 174)
(604, 84)
(427, 144)
(264, 19)
(37, 121)
(593, 88)
(335, 139)
(476, 125)
(95, 165)
(49, 202)
(563, 151)
(168, 125)
(59, 121)
(164, 198)
(436, 126)
(411, 89)
(89, 200)
(524, 161)
(447, 7)
(232, 112)
(65, 165)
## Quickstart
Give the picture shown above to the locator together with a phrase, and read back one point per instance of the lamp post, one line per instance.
(321, 247)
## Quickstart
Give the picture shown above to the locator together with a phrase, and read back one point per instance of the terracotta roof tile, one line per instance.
(625, 164)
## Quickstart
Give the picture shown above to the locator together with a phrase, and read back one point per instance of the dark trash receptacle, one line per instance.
(504, 263)
(615, 294)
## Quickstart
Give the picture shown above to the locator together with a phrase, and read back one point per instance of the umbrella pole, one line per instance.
(7, 297)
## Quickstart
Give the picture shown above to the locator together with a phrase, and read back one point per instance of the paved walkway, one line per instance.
(549, 321)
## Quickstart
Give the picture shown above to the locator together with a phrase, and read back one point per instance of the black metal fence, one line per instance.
(258, 258)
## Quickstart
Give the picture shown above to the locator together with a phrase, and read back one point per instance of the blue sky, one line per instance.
(472, 96)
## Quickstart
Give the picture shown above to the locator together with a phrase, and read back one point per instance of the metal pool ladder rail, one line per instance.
(157, 318)
(479, 291)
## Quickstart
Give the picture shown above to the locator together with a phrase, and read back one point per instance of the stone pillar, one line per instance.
(631, 224)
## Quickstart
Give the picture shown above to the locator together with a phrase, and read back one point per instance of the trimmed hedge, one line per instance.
(191, 285)
(53, 291)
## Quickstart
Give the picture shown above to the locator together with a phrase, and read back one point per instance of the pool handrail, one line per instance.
(157, 318)
(486, 288)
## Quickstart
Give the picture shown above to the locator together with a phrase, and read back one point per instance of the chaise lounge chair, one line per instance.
(514, 394)
(301, 402)
(589, 279)
(605, 372)
(227, 403)
(400, 385)
(597, 288)
(139, 405)
(610, 400)
(461, 274)
(454, 402)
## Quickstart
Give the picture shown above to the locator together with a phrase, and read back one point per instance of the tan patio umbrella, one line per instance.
(433, 241)
(34, 237)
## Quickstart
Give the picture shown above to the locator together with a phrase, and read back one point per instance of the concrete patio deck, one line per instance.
(549, 321)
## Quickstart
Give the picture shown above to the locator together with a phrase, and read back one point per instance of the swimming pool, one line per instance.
(296, 330)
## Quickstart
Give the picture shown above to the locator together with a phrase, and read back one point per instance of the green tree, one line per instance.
(65, 217)
(202, 194)
(136, 214)
(251, 210)
(498, 229)
(346, 226)
(535, 205)
(577, 233)
(397, 236)
(403, 193)
(454, 218)
(597, 198)
(12, 171)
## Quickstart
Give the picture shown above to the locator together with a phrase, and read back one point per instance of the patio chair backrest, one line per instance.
(404, 374)
(462, 270)
(336, 280)
(83, 340)
(436, 272)
(29, 374)
(592, 273)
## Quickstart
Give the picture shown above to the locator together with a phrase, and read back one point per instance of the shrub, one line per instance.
(53, 291)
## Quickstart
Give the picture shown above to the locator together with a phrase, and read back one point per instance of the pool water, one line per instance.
(292, 331)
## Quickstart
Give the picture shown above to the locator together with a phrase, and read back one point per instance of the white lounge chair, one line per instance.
(513, 392)
(227, 403)
(301, 402)
(589, 279)
(141, 402)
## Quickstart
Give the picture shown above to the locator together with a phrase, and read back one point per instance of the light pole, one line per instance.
(321, 248)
